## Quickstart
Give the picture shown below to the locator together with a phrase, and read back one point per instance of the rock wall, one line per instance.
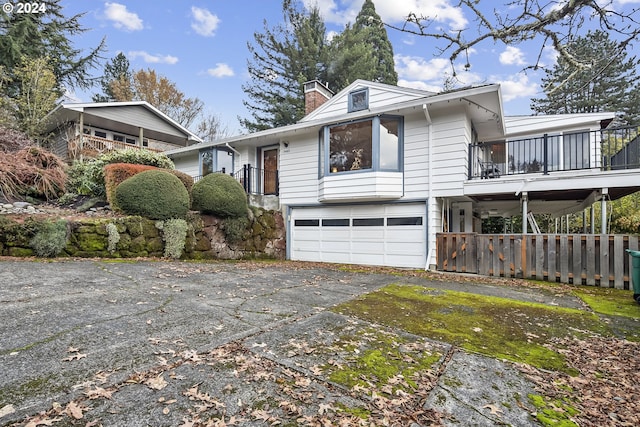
(130, 237)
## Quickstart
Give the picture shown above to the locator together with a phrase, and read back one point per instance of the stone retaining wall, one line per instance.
(139, 237)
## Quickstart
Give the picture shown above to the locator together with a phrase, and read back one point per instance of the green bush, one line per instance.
(220, 195)
(235, 229)
(174, 234)
(154, 194)
(87, 177)
(50, 239)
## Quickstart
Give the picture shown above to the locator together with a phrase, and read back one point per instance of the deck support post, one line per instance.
(603, 213)
(523, 199)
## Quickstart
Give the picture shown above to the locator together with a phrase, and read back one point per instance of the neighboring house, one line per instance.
(89, 129)
(373, 173)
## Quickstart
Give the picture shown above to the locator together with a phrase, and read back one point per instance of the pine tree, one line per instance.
(46, 34)
(116, 81)
(362, 51)
(609, 84)
(283, 58)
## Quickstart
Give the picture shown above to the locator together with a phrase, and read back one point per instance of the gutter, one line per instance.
(427, 116)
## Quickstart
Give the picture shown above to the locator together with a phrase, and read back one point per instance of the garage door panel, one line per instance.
(392, 235)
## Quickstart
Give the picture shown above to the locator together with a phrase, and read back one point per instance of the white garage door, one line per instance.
(390, 235)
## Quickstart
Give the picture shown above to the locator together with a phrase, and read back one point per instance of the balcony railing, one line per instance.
(607, 149)
(93, 146)
(254, 180)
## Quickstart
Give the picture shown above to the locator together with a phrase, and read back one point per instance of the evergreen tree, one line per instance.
(115, 82)
(46, 34)
(283, 58)
(609, 84)
(362, 51)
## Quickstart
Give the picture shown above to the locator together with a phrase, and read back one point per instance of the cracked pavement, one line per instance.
(97, 342)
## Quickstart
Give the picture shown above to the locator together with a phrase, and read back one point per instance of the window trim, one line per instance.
(324, 148)
(352, 105)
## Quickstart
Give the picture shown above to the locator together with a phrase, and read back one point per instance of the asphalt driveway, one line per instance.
(94, 342)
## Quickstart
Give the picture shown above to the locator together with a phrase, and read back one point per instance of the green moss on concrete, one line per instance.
(611, 302)
(553, 413)
(498, 327)
(382, 360)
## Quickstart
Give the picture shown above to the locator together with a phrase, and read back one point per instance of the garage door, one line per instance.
(389, 235)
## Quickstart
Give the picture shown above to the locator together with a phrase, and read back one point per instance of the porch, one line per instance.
(86, 146)
(587, 259)
(607, 149)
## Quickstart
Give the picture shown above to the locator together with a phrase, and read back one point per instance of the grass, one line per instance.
(497, 327)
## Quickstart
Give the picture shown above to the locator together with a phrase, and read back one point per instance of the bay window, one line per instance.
(372, 144)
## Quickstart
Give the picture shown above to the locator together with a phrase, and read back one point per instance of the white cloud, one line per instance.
(205, 23)
(512, 56)
(122, 18)
(417, 68)
(517, 86)
(152, 59)
(221, 70)
(392, 12)
(419, 85)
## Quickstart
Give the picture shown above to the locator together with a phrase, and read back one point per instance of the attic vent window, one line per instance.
(359, 100)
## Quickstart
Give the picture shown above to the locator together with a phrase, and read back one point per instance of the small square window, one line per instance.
(359, 100)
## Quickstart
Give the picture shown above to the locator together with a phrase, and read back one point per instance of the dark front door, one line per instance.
(270, 165)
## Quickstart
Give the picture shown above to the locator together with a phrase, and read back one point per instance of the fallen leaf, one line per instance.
(156, 383)
(76, 356)
(74, 410)
(493, 408)
(98, 392)
(6, 410)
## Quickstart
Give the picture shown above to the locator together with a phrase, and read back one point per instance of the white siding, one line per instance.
(451, 136)
(299, 170)
(189, 164)
(361, 186)
(378, 97)
(136, 116)
(416, 156)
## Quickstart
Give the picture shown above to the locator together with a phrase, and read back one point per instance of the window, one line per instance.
(359, 100)
(364, 145)
(409, 220)
(99, 134)
(307, 222)
(342, 222)
(118, 138)
(131, 141)
(215, 160)
(368, 222)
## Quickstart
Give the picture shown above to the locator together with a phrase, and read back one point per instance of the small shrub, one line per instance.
(113, 237)
(235, 229)
(220, 195)
(174, 235)
(187, 180)
(115, 174)
(87, 177)
(50, 239)
(154, 194)
(32, 171)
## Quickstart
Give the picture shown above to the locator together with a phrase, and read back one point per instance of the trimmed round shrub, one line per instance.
(154, 194)
(220, 195)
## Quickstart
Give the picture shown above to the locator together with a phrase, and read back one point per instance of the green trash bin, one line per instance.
(635, 273)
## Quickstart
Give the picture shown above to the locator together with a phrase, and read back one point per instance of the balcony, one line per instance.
(86, 146)
(609, 149)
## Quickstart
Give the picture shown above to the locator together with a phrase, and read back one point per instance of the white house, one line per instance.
(92, 128)
(374, 172)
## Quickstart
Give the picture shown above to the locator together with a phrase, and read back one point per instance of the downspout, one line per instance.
(430, 199)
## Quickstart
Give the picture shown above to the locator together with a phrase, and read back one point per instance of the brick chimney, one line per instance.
(315, 94)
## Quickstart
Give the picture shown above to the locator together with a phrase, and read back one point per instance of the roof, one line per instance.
(63, 111)
(488, 115)
(531, 125)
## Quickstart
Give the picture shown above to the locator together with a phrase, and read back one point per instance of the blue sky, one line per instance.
(202, 45)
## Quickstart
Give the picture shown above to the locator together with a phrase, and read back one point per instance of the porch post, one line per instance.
(593, 219)
(523, 198)
(81, 135)
(141, 136)
(603, 213)
(584, 221)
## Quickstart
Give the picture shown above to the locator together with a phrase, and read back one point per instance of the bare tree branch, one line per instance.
(556, 23)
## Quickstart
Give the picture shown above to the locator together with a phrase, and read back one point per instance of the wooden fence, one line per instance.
(596, 260)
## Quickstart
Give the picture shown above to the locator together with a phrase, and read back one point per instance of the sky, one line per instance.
(202, 46)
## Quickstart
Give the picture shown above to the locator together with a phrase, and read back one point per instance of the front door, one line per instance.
(270, 166)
